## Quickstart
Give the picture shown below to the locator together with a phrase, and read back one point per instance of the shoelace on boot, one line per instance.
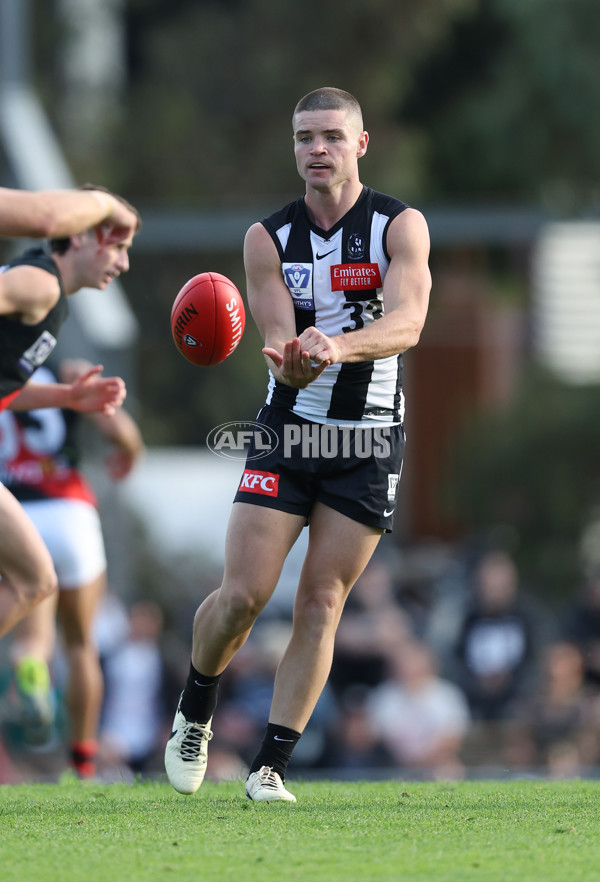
(191, 742)
(267, 778)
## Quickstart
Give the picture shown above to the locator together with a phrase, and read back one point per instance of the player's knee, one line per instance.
(48, 584)
(37, 586)
(239, 609)
(321, 608)
(74, 636)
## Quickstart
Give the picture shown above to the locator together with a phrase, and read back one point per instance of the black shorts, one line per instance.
(352, 470)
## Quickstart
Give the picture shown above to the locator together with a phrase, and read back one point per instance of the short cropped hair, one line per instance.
(62, 244)
(329, 98)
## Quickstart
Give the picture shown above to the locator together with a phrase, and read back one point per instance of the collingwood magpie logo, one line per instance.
(356, 247)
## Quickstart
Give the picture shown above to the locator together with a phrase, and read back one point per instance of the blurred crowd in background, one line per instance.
(464, 674)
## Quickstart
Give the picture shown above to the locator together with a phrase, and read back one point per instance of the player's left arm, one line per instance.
(406, 290)
(89, 392)
(119, 428)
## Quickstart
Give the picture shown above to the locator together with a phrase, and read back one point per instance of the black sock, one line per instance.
(199, 698)
(276, 749)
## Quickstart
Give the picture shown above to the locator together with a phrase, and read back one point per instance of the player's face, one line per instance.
(101, 263)
(327, 145)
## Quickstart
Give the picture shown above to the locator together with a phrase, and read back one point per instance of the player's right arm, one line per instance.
(125, 438)
(273, 311)
(59, 213)
(28, 293)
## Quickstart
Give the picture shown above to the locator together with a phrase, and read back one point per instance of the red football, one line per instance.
(208, 319)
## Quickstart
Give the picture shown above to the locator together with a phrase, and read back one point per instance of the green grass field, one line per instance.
(525, 831)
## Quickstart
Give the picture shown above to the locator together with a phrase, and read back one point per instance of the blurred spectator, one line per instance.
(420, 718)
(111, 625)
(134, 715)
(582, 627)
(558, 730)
(498, 641)
(354, 747)
(450, 595)
(372, 625)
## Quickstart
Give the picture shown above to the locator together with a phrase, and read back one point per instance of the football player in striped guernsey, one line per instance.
(338, 284)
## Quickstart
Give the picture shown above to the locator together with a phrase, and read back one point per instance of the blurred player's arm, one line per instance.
(88, 393)
(119, 429)
(57, 213)
(28, 293)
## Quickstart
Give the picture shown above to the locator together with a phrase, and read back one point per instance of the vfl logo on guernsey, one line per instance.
(38, 352)
(265, 483)
(298, 278)
(355, 277)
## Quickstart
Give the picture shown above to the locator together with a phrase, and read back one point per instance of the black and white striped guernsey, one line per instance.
(335, 279)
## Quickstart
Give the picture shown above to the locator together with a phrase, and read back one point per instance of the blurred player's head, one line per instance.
(95, 257)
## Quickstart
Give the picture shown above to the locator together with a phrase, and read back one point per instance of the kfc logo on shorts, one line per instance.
(266, 483)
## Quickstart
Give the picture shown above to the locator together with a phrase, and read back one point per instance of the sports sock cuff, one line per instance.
(274, 729)
(86, 748)
(83, 758)
(198, 679)
(199, 698)
(276, 749)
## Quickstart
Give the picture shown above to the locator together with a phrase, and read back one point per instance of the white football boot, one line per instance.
(267, 786)
(186, 753)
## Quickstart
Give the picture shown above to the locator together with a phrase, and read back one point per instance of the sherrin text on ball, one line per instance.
(208, 319)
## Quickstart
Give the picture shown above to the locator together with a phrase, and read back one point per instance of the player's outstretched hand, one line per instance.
(294, 367)
(118, 226)
(90, 392)
(109, 234)
(119, 463)
(320, 347)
